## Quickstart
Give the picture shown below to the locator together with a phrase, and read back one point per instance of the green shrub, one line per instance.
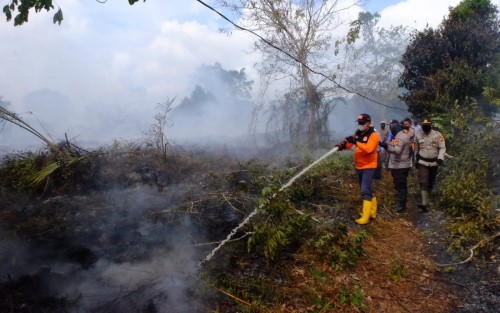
(339, 247)
(464, 189)
(351, 296)
(397, 270)
(278, 225)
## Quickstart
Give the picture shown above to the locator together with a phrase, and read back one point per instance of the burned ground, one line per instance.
(130, 235)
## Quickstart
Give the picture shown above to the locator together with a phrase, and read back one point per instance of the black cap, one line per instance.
(364, 118)
(407, 120)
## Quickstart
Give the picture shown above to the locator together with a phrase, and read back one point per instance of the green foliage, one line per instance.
(453, 62)
(354, 30)
(67, 165)
(464, 233)
(397, 270)
(254, 289)
(23, 8)
(44, 173)
(467, 9)
(30, 173)
(318, 182)
(17, 172)
(317, 273)
(351, 296)
(319, 303)
(340, 248)
(465, 193)
(279, 226)
(256, 170)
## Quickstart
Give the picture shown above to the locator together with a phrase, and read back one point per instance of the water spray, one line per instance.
(268, 200)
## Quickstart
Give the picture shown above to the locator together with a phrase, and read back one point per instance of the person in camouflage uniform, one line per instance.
(430, 149)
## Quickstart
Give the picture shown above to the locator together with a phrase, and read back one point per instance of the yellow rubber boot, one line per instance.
(373, 212)
(367, 207)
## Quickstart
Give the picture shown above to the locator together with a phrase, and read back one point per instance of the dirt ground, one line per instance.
(403, 270)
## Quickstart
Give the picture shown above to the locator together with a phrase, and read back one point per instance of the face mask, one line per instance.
(382, 126)
(426, 128)
(406, 127)
(361, 128)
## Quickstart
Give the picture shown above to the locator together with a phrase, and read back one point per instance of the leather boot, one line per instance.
(367, 207)
(373, 211)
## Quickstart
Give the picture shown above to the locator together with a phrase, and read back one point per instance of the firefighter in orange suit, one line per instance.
(366, 141)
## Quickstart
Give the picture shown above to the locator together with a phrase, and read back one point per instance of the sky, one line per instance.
(100, 74)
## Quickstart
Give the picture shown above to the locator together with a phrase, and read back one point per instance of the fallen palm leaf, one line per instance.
(45, 172)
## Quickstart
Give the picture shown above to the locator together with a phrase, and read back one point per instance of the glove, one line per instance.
(341, 146)
(440, 162)
(383, 144)
(350, 139)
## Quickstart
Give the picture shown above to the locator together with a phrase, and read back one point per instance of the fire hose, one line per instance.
(262, 205)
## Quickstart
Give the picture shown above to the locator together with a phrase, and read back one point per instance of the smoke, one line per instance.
(110, 255)
(343, 118)
(217, 114)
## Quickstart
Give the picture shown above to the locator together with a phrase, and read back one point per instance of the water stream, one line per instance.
(247, 219)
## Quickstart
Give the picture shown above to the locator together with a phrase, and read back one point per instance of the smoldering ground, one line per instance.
(123, 250)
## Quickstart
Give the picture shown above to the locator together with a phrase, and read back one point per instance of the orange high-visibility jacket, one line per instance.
(365, 154)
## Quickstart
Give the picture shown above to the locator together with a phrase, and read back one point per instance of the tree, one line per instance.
(302, 29)
(453, 62)
(373, 59)
(224, 83)
(214, 84)
(220, 104)
(286, 123)
(23, 8)
(193, 104)
(158, 129)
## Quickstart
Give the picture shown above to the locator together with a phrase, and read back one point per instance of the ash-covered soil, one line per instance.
(476, 283)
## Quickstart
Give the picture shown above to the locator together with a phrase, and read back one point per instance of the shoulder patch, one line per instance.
(440, 137)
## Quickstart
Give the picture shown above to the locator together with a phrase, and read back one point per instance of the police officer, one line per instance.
(430, 149)
(399, 162)
(410, 131)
